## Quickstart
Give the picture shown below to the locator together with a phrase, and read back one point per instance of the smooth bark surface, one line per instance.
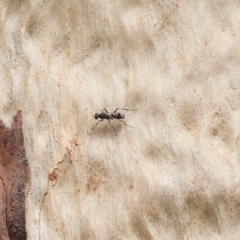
(176, 174)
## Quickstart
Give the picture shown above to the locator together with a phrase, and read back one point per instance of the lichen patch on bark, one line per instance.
(13, 177)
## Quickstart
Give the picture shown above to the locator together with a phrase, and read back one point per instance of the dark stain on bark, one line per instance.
(13, 178)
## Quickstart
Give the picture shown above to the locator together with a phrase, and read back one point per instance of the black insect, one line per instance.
(111, 116)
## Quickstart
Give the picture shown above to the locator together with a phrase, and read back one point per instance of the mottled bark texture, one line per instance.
(13, 177)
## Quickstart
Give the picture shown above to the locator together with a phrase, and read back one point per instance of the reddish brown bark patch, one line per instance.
(13, 177)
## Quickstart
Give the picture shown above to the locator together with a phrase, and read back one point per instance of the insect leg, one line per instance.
(112, 127)
(89, 125)
(124, 123)
(97, 123)
(105, 110)
(125, 109)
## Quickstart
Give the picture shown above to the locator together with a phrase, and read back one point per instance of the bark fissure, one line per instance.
(5, 205)
(14, 174)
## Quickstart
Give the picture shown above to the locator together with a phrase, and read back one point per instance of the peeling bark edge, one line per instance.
(14, 175)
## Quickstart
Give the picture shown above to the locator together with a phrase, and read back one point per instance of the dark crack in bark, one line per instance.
(14, 175)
